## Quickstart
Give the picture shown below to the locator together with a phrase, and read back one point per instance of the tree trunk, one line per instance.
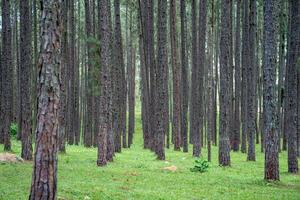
(269, 94)
(7, 85)
(184, 77)
(161, 94)
(291, 79)
(224, 145)
(25, 54)
(44, 179)
(176, 78)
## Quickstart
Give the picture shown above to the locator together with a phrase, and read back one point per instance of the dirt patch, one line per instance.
(131, 174)
(10, 158)
(172, 168)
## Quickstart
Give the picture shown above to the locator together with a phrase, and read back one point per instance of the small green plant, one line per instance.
(200, 166)
(13, 130)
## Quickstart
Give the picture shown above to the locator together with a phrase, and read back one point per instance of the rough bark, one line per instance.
(44, 179)
(291, 90)
(176, 122)
(237, 111)
(105, 82)
(25, 53)
(245, 64)
(269, 94)
(224, 144)
(7, 82)
(161, 94)
(184, 77)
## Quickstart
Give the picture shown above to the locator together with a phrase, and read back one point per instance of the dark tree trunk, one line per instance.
(237, 111)
(105, 82)
(161, 94)
(224, 145)
(184, 77)
(269, 98)
(25, 53)
(251, 96)
(88, 134)
(118, 83)
(291, 79)
(63, 81)
(245, 64)
(176, 122)
(131, 97)
(44, 178)
(7, 83)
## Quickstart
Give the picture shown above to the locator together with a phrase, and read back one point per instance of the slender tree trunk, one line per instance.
(25, 53)
(161, 94)
(224, 145)
(176, 78)
(237, 111)
(184, 77)
(131, 97)
(291, 79)
(7, 75)
(44, 178)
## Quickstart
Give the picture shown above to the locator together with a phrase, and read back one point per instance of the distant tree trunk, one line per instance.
(88, 135)
(184, 77)
(291, 79)
(44, 176)
(194, 78)
(7, 85)
(118, 83)
(245, 64)
(224, 145)
(72, 68)
(161, 94)
(105, 81)
(144, 79)
(251, 96)
(269, 98)
(25, 53)
(35, 61)
(176, 78)
(237, 111)
(131, 97)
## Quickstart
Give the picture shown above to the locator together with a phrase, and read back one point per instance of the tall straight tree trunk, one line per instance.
(184, 77)
(224, 144)
(269, 94)
(176, 78)
(25, 53)
(63, 81)
(195, 79)
(161, 94)
(44, 178)
(291, 80)
(7, 74)
(119, 83)
(131, 97)
(237, 111)
(251, 96)
(245, 64)
(105, 81)
(88, 134)
(35, 61)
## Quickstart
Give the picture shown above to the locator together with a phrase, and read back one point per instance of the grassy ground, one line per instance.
(136, 174)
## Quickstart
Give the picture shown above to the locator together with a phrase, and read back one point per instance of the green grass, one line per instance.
(136, 174)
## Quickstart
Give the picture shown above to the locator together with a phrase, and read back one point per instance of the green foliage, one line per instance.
(13, 130)
(201, 166)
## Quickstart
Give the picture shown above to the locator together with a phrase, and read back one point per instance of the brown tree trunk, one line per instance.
(7, 74)
(184, 77)
(291, 79)
(25, 54)
(269, 98)
(44, 178)
(176, 78)
(224, 145)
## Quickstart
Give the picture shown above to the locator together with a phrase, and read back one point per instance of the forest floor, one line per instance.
(136, 174)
